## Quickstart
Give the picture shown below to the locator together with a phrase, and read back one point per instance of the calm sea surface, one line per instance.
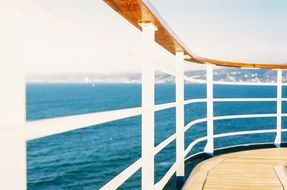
(86, 159)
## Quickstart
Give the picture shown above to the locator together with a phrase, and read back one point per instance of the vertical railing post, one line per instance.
(12, 112)
(148, 72)
(180, 118)
(209, 147)
(277, 141)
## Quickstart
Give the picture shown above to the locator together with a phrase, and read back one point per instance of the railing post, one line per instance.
(148, 71)
(12, 111)
(209, 147)
(277, 141)
(180, 118)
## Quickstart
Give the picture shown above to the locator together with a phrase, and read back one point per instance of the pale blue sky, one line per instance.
(244, 30)
(87, 35)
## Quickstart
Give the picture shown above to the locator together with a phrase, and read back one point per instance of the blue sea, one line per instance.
(88, 158)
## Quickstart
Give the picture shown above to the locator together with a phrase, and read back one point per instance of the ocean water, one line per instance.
(88, 158)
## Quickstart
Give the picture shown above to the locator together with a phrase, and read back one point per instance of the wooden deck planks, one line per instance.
(198, 177)
(250, 170)
(281, 172)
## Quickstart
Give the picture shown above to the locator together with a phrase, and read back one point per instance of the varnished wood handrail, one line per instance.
(137, 11)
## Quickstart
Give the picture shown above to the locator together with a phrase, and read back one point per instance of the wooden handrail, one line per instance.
(138, 11)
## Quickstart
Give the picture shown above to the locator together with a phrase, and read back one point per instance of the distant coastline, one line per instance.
(232, 75)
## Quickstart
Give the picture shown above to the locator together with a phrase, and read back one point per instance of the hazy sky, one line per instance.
(244, 30)
(88, 36)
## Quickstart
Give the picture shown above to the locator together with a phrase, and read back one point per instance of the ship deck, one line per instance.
(262, 169)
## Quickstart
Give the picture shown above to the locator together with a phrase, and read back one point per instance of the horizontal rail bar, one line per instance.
(123, 176)
(47, 127)
(201, 120)
(160, 107)
(193, 143)
(244, 133)
(192, 101)
(163, 144)
(194, 122)
(246, 116)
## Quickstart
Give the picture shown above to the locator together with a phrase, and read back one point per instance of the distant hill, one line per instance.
(230, 74)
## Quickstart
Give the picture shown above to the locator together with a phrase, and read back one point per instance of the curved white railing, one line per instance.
(38, 129)
(230, 134)
(172, 170)
(195, 122)
(16, 132)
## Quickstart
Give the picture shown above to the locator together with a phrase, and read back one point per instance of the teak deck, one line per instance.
(262, 169)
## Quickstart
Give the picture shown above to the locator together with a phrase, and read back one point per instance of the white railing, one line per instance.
(15, 131)
(42, 128)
